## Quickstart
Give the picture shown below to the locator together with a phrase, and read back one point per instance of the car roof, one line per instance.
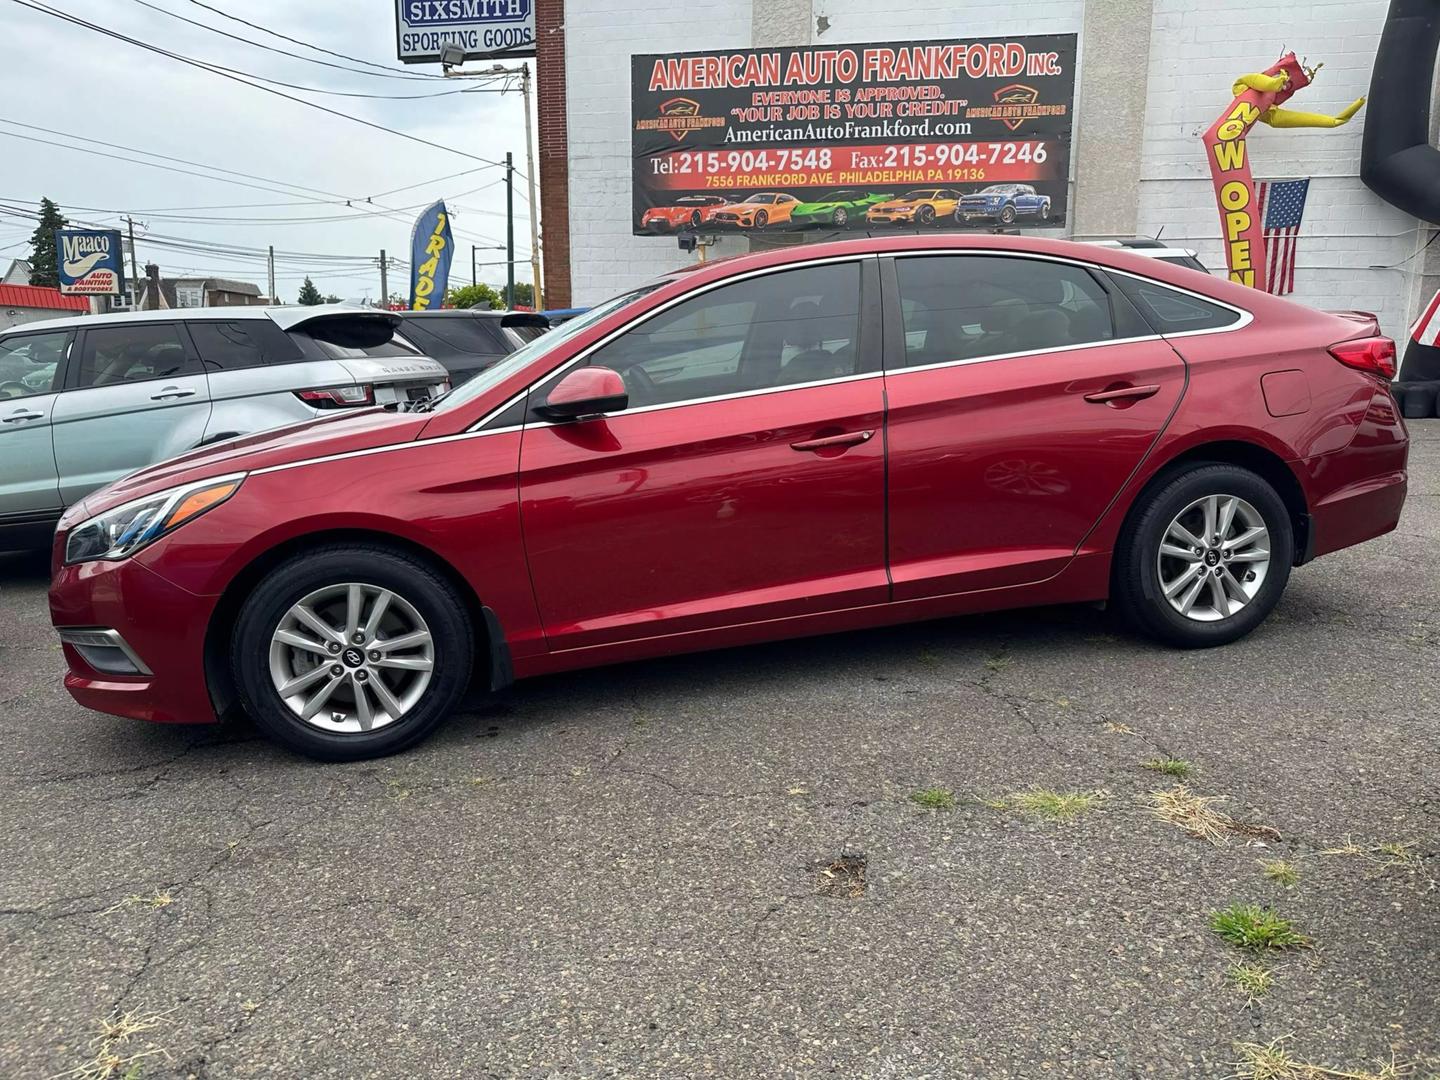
(286, 317)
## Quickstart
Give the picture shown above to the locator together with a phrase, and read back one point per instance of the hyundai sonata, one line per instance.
(795, 442)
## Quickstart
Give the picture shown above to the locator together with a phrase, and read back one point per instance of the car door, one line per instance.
(135, 393)
(744, 482)
(31, 369)
(1023, 394)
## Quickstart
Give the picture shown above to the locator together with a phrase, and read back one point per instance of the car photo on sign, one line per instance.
(1004, 203)
(758, 211)
(687, 212)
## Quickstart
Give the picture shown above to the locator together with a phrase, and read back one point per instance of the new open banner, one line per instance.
(903, 134)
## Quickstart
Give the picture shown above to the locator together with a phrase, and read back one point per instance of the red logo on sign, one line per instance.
(1016, 94)
(676, 107)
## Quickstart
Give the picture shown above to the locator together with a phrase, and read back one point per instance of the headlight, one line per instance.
(119, 533)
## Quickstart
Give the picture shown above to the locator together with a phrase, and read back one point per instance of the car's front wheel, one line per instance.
(1007, 215)
(351, 652)
(1205, 556)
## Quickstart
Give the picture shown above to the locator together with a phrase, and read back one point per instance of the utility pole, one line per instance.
(509, 230)
(134, 263)
(384, 281)
(473, 279)
(523, 70)
(530, 167)
(270, 267)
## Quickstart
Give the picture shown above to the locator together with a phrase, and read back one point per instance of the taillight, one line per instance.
(1372, 355)
(338, 397)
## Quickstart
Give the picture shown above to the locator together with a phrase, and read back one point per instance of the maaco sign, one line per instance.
(90, 261)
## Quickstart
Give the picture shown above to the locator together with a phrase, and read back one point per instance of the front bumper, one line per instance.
(163, 627)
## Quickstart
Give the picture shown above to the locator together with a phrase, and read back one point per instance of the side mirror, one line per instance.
(586, 391)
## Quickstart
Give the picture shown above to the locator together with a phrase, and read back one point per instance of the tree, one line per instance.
(309, 294)
(331, 298)
(466, 296)
(43, 268)
(524, 295)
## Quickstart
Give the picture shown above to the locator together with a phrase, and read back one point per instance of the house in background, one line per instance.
(17, 274)
(193, 292)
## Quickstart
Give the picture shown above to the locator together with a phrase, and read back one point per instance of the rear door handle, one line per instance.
(850, 438)
(170, 393)
(1120, 393)
(16, 417)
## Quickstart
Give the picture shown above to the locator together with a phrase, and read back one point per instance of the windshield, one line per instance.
(498, 373)
(918, 195)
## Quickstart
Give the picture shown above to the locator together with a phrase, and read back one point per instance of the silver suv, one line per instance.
(86, 400)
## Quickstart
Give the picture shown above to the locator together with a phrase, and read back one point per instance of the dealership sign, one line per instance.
(480, 27)
(90, 262)
(905, 134)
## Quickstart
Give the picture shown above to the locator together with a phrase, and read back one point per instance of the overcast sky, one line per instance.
(65, 78)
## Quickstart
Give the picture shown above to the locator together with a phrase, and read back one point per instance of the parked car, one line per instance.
(838, 208)
(85, 400)
(1004, 203)
(801, 441)
(923, 206)
(468, 340)
(1154, 249)
(758, 211)
(687, 212)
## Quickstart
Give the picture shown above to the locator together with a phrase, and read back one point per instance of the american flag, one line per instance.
(1282, 204)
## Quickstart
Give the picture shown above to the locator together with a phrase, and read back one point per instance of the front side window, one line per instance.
(782, 329)
(968, 307)
(229, 346)
(115, 355)
(29, 363)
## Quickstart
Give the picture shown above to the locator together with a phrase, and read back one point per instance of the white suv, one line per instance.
(87, 400)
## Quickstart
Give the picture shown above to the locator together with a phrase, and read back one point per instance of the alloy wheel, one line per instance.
(351, 657)
(1213, 558)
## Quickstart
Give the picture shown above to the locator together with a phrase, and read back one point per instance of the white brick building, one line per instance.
(1151, 76)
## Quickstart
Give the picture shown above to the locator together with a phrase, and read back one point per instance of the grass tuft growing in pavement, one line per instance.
(1252, 927)
(1281, 871)
(1253, 979)
(114, 1058)
(998, 662)
(1049, 805)
(1198, 816)
(1272, 1061)
(157, 900)
(1170, 766)
(934, 798)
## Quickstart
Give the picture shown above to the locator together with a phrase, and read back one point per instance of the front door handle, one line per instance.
(1121, 393)
(16, 417)
(828, 442)
(170, 393)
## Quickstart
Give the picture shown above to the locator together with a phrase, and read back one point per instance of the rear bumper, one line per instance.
(1357, 512)
(162, 623)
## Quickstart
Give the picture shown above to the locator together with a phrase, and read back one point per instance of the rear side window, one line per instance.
(479, 337)
(355, 339)
(230, 346)
(1172, 312)
(968, 307)
(136, 352)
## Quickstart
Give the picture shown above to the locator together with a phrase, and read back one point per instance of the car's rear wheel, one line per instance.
(1205, 556)
(351, 652)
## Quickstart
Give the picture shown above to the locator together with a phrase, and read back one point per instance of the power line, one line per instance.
(225, 74)
(285, 52)
(308, 45)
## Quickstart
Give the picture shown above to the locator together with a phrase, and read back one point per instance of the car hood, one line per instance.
(361, 430)
(982, 196)
(896, 204)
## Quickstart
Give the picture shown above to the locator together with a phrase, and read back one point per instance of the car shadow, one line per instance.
(25, 568)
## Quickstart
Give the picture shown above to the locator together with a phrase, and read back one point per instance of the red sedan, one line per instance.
(788, 443)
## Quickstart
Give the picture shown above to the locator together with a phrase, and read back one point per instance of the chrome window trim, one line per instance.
(1246, 317)
(855, 257)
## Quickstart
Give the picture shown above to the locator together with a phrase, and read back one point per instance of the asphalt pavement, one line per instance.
(714, 866)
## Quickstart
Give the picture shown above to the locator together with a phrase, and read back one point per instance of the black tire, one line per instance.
(431, 595)
(1007, 215)
(1137, 592)
(925, 215)
(1417, 399)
